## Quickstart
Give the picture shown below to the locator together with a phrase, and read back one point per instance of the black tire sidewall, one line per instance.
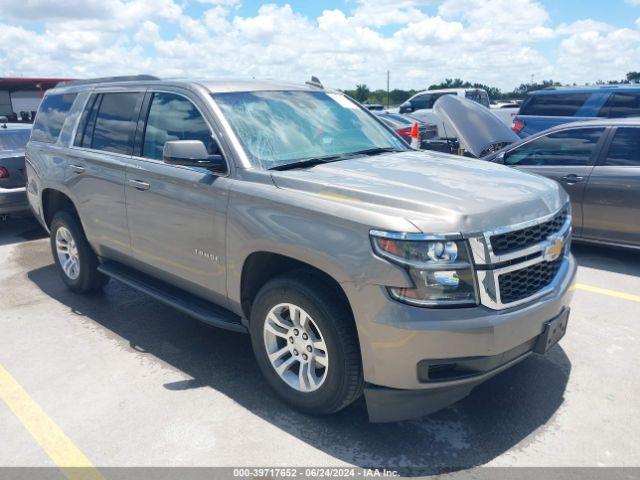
(329, 397)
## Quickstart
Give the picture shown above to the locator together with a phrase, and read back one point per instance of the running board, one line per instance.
(203, 310)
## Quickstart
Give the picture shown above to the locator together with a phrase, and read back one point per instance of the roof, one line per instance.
(633, 87)
(213, 86)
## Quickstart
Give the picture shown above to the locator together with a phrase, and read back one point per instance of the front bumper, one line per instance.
(13, 200)
(396, 339)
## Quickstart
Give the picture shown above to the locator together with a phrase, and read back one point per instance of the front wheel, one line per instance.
(306, 345)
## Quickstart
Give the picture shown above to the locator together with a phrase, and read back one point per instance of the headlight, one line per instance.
(440, 269)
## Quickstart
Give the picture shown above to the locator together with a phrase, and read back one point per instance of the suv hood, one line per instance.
(478, 129)
(437, 193)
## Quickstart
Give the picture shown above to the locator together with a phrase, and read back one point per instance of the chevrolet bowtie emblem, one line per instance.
(553, 249)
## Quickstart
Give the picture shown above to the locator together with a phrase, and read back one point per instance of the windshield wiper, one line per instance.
(373, 151)
(307, 162)
(310, 162)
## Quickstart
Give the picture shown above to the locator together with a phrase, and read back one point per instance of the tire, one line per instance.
(66, 228)
(331, 323)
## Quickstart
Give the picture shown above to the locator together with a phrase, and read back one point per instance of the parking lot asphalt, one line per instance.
(128, 381)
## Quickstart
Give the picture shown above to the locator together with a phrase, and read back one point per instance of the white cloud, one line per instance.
(420, 42)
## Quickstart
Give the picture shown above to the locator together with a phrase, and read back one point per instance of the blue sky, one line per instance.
(498, 42)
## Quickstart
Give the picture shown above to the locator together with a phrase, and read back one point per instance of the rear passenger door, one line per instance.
(103, 144)
(612, 197)
(177, 214)
(566, 156)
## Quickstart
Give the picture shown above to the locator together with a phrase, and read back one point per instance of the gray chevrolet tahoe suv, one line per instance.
(290, 212)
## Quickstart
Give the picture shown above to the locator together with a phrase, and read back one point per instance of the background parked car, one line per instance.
(598, 164)
(506, 111)
(546, 108)
(402, 124)
(421, 107)
(374, 107)
(13, 138)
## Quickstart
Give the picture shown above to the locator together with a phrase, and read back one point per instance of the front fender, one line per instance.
(264, 218)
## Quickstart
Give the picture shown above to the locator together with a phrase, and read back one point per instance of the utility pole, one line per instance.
(387, 89)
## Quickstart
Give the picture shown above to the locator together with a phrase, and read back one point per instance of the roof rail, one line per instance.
(314, 82)
(123, 78)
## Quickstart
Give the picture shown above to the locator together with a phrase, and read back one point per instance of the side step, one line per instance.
(186, 302)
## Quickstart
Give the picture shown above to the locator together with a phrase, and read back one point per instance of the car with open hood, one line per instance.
(597, 162)
(289, 212)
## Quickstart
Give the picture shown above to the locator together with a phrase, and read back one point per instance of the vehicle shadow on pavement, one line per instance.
(615, 260)
(497, 416)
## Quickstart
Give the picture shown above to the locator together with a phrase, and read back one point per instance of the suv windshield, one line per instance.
(14, 139)
(277, 128)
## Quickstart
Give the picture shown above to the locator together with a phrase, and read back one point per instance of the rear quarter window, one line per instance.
(621, 105)
(51, 116)
(554, 104)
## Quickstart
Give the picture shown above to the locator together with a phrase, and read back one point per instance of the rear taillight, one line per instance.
(404, 132)
(4, 173)
(517, 126)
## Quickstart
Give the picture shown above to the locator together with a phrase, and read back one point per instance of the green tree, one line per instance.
(362, 93)
(633, 77)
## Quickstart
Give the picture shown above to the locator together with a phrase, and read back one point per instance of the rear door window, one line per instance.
(84, 131)
(621, 105)
(554, 104)
(625, 148)
(573, 147)
(51, 115)
(115, 123)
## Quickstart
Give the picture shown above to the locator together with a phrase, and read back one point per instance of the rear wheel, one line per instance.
(73, 256)
(306, 344)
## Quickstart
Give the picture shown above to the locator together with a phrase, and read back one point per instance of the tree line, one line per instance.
(363, 94)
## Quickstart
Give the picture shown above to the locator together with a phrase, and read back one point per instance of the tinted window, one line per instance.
(622, 105)
(427, 100)
(14, 139)
(569, 147)
(554, 104)
(50, 118)
(172, 117)
(625, 148)
(115, 124)
(478, 96)
(83, 132)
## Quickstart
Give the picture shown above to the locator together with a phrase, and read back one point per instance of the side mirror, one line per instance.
(191, 153)
(500, 158)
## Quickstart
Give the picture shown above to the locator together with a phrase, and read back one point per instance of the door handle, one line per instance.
(139, 185)
(77, 168)
(572, 178)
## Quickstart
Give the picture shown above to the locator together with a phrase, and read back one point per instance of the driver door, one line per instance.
(177, 214)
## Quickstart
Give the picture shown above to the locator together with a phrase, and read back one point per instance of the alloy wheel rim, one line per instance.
(295, 347)
(67, 251)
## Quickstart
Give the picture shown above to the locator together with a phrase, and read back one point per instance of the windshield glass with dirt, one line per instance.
(277, 128)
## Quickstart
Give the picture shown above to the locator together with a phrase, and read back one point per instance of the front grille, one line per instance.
(523, 283)
(526, 237)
